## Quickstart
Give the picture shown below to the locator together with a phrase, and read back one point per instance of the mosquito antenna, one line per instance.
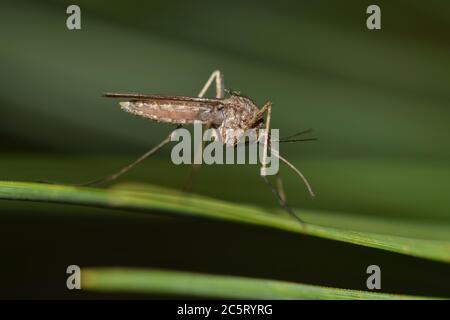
(305, 181)
(298, 140)
(297, 134)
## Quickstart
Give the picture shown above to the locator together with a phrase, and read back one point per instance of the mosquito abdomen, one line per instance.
(173, 112)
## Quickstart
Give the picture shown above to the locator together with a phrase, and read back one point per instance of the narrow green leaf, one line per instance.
(180, 204)
(155, 281)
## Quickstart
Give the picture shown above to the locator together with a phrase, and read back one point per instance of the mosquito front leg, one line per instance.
(278, 192)
(281, 200)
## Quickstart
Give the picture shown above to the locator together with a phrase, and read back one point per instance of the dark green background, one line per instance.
(377, 100)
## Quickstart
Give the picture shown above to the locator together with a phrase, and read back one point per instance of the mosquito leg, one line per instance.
(216, 77)
(278, 192)
(195, 166)
(282, 201)
(121, 171)
(266, 108)
(280, 188)
(130, 166)
(220, 89)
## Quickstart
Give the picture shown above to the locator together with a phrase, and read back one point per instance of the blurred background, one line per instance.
(378, 102)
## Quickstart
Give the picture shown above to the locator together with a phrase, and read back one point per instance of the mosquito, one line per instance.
(222, 113)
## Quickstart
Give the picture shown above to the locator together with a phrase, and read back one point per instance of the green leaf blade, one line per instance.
(175, 203)
(154, 281)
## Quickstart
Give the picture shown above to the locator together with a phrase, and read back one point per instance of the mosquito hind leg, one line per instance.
(127, 168)
(122, 171)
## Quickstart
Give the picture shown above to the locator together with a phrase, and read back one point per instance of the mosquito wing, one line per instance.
(138, 96)
(172, 109)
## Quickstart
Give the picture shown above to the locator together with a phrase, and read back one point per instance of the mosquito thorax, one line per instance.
(238, 114)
